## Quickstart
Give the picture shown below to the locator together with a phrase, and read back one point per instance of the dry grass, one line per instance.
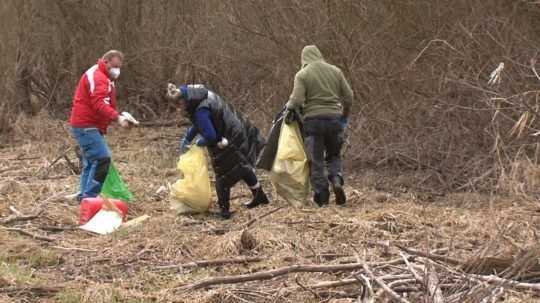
(122, 267)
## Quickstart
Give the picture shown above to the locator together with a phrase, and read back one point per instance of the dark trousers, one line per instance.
(223, 191)
(323, 139)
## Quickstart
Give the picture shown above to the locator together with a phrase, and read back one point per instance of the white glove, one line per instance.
(123, 121)
(129, 118)
(223, 143)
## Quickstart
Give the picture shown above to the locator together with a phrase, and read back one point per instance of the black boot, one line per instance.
(337, 185)
(225, 213)
(259, 198)
(322, 198)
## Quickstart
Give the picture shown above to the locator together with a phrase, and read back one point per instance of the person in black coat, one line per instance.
(232, 141)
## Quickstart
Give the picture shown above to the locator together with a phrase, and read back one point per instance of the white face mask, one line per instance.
(114, 72)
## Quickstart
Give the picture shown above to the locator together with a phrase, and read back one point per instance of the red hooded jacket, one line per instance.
(94, 103)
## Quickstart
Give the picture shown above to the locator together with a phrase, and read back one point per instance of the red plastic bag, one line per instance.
(90, 206)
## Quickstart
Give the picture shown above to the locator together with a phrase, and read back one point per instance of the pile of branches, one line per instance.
(414, 276)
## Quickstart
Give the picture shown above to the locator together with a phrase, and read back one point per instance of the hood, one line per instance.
(194, 92)
(311, 54)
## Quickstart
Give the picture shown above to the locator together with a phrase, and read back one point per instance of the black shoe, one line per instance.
(225, 212)
(259, 198)
(337, 185)
(322, 198)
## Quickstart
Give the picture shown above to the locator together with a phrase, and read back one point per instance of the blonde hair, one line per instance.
(113, 54)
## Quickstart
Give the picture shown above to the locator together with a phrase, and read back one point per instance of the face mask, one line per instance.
(114, 72)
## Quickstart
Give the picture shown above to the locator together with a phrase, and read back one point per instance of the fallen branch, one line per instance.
(208, 263)
(446, 259)
(18, 217)
(271, 274)
(27, 233)
(385, 287)
(506, 282)
(33, 290)
(432, 285)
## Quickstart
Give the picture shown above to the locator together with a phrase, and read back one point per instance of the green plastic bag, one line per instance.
(114, 187)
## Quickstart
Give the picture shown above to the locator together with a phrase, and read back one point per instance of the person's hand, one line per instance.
(344, 122)
(289, 115)
(184, 145)
(123, 121)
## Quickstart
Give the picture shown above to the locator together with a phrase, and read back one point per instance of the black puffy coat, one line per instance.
(245, 140)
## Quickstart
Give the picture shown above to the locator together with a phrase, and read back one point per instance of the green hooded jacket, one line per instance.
(320, 88)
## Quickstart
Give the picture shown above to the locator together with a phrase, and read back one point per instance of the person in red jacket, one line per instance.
(94, 108)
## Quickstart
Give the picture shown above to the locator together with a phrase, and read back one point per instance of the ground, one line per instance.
(127, 266)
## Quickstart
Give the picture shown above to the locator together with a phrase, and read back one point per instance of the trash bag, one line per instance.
(268, 154)
(290, 171)
(192, 193)
(114, 187)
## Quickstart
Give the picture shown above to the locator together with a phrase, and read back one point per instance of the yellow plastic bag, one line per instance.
(192, 193)
(290, 172)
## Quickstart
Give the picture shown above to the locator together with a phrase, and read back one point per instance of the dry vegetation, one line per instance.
(440, 162)
(470, 236)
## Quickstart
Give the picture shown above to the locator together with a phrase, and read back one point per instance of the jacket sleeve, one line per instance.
(298, 96)
(99, 102)
(206, 127)
(347, 95)
(190, 134)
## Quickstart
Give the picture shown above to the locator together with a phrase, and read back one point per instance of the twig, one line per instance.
(208, 263)
(252, 221)
(533, 62)
(21, 217)
(27, 233)
(74, 249)
(381, 283)
(367, 290)
(316, 295)
(446, 259)
(512, 283)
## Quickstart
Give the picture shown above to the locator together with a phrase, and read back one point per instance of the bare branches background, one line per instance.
(419, 70)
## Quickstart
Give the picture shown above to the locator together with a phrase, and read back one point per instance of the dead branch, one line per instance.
(271, 274)
(533, 63)
(27, 233)
(383, 285)
(366, 296)
(208, 263)
(432, 285)
(17, 218)
(445, 259)
(33, 290)
(252, 221)
(506, 282)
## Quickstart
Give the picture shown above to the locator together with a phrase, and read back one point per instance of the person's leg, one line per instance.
(84, 177)
(259, 197)
(224, 195)
(314, 143)
(334, 144)
(98, 156)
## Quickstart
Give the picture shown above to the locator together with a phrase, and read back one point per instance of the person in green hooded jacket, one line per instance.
(324, 97)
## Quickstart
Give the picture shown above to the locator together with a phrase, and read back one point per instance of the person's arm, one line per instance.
(99, 103)
(347, 96)
(190, 134)
(298, 95)
(207, 130)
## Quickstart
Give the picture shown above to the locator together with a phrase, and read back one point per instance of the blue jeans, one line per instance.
(96, 158)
